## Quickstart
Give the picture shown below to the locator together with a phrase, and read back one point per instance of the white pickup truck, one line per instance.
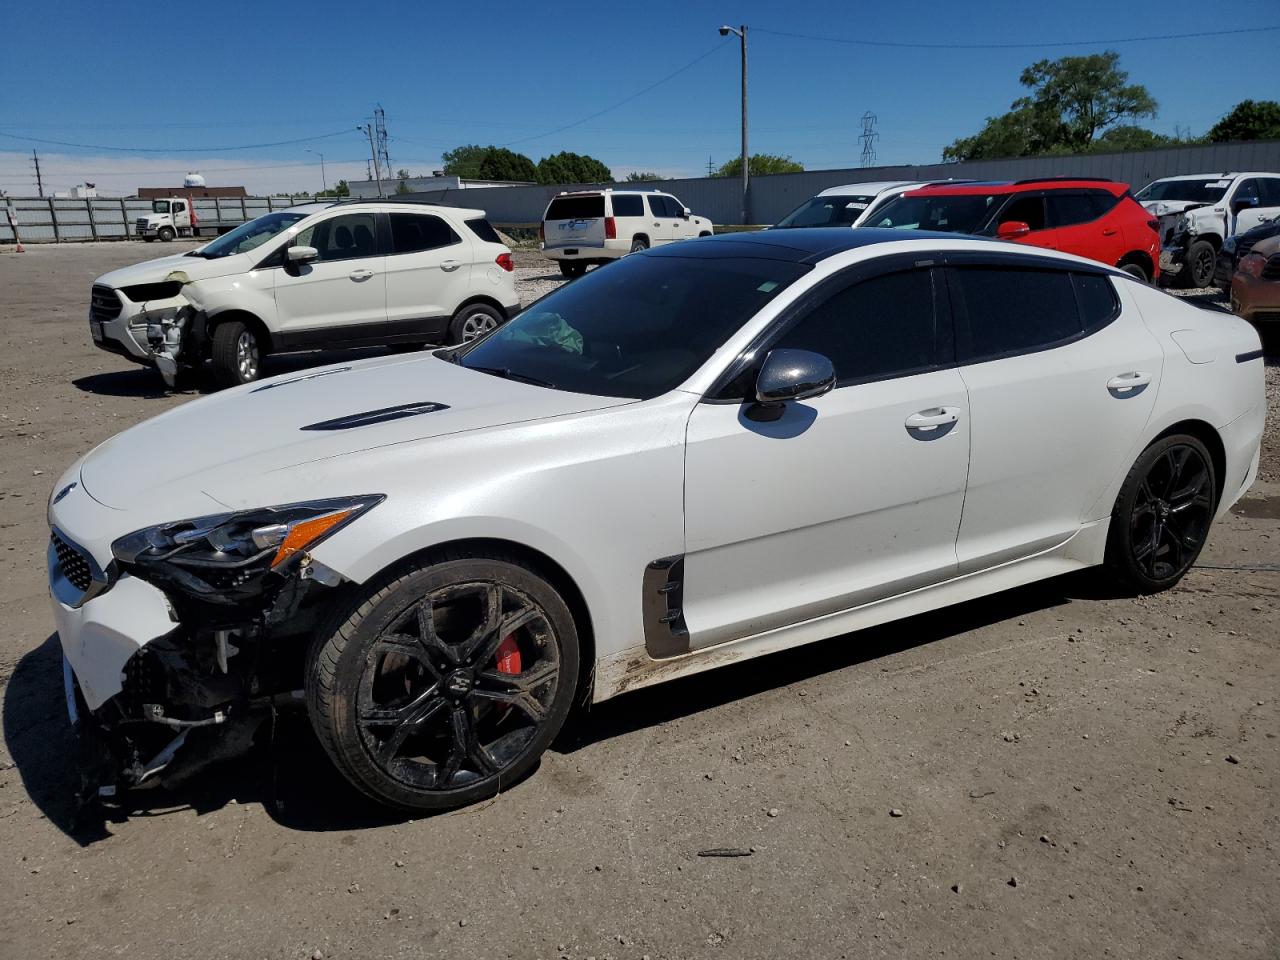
(1199, 212)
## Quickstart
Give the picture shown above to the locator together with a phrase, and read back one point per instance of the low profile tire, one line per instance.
(472, 322)
(1136, 271)
(166, 234)
(639, 245)
(237, 354)
(443, 685)
(571, 270)
(1202, 261)
(1162, 516)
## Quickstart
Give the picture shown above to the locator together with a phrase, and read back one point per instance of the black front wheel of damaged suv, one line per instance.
(444, 684)
(1202, 261)
(237, 354)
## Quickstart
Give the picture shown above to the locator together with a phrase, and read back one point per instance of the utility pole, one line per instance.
(741, 34)
(711, 167)
(324, 182)
(35, 157)
(367, 130)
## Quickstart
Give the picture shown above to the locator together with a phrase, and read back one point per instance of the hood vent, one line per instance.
(370, 417)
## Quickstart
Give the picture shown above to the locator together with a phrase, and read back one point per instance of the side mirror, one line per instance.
(1012, 229)
(793, 375)
(300, 255)
(687, 213)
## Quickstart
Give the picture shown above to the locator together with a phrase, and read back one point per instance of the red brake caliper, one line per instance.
(508, 655)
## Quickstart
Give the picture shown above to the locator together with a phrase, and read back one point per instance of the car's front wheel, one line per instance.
(237, 355)
(1162, 515)
(1202, 260)
(166, 234)
(442, 685)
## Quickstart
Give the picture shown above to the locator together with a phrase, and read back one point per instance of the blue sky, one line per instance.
(132, 74)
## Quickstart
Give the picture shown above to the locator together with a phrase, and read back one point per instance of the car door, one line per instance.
(847, 498)
(1075, 223)
(1061, 376)
(682, 226)
(1255, 201)
(662, 208)
(343, 294)
(1026, 208)
(429, 273)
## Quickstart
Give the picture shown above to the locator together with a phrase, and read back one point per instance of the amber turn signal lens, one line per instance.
(307, 532)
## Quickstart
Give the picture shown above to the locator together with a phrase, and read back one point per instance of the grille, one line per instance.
(104, 304)
(1271, 271)
(72, 563)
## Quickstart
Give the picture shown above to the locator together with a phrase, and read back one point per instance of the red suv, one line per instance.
(1098, 219)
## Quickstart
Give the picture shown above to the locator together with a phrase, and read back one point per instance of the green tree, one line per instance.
(464, 161)
(403, 174)
(503, 164)
(1248, 120)
(1072, 100)
(641, 176)
(759, 165)
(339, 189)
(566, 167)
(1129, 137)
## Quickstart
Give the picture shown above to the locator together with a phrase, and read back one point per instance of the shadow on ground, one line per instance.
(291, 777)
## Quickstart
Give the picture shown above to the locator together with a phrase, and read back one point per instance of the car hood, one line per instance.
(219, 442)
(1162, 208)
(153, 271)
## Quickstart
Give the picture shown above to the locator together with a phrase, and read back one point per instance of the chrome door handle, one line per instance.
(449, 265)
(933, 419)
(1128, 384)
(359, 276)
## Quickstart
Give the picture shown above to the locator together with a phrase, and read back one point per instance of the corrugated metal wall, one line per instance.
(772, 197)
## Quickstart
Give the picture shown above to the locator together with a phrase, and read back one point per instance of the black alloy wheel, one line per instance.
(447, 684)
(1163, 514)
(1202, 261)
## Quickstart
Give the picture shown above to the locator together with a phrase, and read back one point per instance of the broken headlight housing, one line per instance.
(231, 557)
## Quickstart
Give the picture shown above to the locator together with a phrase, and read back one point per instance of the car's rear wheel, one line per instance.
(570, 269)
(1162, 515)
(442, 685)
(639, 245)
(237, 354)
(472, 322)
(1202, 260)
(1135, 270)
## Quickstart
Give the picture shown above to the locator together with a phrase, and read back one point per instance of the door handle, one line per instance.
(1128, 384)
(935, 421)
(450, 265)
(1109, 232)
(359, 276)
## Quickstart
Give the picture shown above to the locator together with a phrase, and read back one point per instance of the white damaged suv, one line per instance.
(596, 226)
(314, 276)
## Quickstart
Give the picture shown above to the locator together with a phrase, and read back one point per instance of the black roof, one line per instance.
(807, 245)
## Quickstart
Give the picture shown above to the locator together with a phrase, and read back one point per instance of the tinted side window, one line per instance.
(628, 205)
(341, 238)
(879, 328)
(412, 232)
(1067, 209)
(662, 206)
(1270, 189)
(1029, 209)
(483, 229)
(1015, 311)
(1096, 298)
(1248, 190)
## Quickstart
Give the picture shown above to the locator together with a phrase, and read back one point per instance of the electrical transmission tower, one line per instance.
(711, 167)
(869, 137)
(380, 139)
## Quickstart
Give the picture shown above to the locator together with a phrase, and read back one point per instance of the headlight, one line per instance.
(229, 556)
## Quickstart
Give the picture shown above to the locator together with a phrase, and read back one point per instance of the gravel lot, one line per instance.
(1077, 775)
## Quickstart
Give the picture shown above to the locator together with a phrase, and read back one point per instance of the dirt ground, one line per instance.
(1077, 775)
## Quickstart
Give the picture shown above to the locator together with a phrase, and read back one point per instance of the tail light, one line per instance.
(542, 232)
(610, 228)
(505, 262)
(1251, 266)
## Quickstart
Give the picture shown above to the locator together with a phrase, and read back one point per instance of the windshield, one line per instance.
(951, 213)
(1195, 191)
(249, 235)
(637, 328)
(159, 206)
(832, 211)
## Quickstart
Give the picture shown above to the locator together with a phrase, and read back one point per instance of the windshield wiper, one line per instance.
(507, 374)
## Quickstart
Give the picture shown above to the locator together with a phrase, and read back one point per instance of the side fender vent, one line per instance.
(665, 633)
(382, 415)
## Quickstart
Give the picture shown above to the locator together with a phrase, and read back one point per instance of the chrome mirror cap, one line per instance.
(794, 375)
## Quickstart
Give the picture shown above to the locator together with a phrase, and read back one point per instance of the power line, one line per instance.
(1013, 46)
(246, 146)
(657, 83)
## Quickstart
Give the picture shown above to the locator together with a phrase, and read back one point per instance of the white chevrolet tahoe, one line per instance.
(596, 226)
(325, 275)
(1199, 212)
